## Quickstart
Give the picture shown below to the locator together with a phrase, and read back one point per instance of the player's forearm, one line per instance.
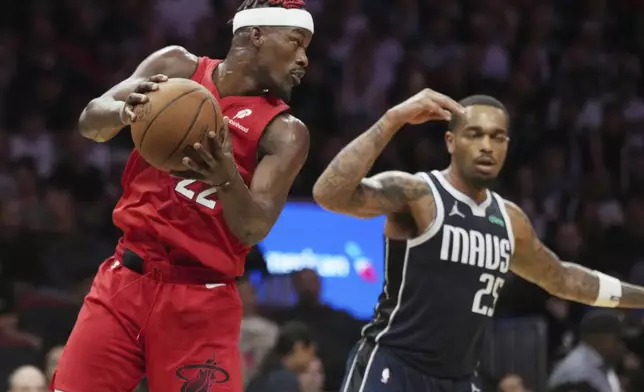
(597, 289)
(102, 119)
(340, 180)
(246, 218)
(574, 283)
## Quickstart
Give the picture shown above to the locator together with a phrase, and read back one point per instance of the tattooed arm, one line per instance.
(536, 263)
(343, 188)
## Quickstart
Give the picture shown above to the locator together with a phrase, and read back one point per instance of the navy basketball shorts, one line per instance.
(371, 368)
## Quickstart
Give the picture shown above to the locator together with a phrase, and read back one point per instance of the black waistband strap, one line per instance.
(173, 273)
(133, 262)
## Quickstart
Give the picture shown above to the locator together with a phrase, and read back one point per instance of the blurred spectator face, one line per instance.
(512, 383)
(53, 356)
(247, 295)
(27, 379)
(568, 240)
(312, 380)
(307, 285)
(302, 356)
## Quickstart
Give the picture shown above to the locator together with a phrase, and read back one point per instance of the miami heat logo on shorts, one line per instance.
(201, 377)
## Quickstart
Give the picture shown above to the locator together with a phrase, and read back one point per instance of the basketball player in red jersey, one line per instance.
(165, 304)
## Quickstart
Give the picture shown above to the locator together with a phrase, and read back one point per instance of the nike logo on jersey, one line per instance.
(455, 211)
(214, 285)
(475, 248)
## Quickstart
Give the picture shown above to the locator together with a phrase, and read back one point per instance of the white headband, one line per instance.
(273, 16)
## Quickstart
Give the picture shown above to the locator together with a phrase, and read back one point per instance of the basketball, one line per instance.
(178, 114)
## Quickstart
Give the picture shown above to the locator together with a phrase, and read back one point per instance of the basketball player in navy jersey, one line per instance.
(450, 243)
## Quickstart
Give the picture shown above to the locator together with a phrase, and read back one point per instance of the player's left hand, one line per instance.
(212, 161)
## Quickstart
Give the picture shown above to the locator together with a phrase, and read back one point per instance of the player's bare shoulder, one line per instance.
(173, 61)
(521, 227)
(286, 135)
(531, 257)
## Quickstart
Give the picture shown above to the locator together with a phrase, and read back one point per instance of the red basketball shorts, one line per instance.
(154, 319)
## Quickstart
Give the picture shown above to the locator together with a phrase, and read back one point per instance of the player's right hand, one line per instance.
(138, 97)
(425, 106)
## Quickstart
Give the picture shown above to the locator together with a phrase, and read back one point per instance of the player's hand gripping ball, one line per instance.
(139, 97)
(169, 116)
(212, 161)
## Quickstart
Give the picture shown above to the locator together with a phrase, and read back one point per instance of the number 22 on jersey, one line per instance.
(201, 197)
(492, 287)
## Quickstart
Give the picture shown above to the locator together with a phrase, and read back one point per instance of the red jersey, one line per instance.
(166, 218)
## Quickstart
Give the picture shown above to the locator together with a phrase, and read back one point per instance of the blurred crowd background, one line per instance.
(569, 72)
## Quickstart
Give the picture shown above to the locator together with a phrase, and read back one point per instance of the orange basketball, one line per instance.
(178, 114)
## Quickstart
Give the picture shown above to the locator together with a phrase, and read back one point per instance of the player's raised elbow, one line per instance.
(325, 197)
(86, 126)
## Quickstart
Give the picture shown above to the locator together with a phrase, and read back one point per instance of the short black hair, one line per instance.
(250, 4)
(289, 334)
(472, 100)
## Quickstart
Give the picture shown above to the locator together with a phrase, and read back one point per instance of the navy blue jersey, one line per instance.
(441, 287)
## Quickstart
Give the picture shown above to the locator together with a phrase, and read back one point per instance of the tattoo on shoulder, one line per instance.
(389, 191)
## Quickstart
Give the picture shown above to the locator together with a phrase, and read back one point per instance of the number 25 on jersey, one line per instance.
(492, 287)
(198, 197)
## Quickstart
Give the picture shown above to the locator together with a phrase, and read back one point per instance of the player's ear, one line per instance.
(449, 141)
(256, 36)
